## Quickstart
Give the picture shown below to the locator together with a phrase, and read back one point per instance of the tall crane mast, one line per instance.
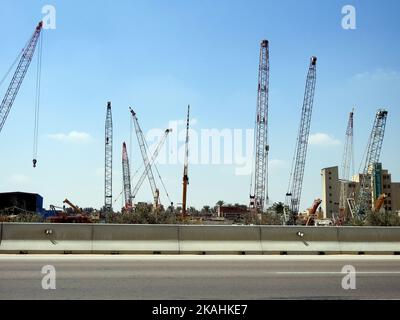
(259, 195)
(126, 178)
(296, 176)
(185, 181)
(152, 159)
(142, 146)
(108, 160)
(347, 163)
(373, 152)
(19, 75)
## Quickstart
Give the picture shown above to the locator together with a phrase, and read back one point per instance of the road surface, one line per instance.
(199, 277)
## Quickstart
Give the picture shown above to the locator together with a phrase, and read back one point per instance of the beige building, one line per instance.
(381, 181)
(330, 191)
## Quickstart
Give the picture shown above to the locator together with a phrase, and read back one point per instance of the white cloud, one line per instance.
(19, 179)
(73, 136)
(323, 139)
(378, 74)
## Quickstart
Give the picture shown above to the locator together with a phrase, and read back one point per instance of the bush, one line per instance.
(382, 219)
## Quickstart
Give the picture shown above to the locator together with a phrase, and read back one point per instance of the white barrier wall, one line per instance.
(216, 239)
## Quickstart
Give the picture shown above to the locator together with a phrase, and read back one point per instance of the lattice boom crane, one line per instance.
(142, 146)
(259, 195)
(19, 75)
(126, 176)
(374, 148)
(296, 177)
(347, 163)
(108, 160)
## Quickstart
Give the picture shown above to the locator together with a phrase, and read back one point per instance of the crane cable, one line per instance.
(37, 102)
(158, 173)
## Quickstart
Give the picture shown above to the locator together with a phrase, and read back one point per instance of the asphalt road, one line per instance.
(199, 277)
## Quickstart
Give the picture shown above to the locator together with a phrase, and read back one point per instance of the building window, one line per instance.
(329, 172)
(330, 187)
(330, 201)
(330, 178)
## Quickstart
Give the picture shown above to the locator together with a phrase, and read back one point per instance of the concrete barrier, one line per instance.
(299, 240)
(120, 238)
(219, 239)
(186, 239)
(45, 238)
(369, 240)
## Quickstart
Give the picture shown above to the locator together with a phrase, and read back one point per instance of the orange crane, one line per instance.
(379, 202)
(185, 167)
(310, 216)
(78, 217)
(76, 208)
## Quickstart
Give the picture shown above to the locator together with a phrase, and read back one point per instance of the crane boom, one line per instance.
(185, 180)
(19, 75)
(296, 177)
(108, 160)
(260, 192)
(347, 163)
(126, 178)
(374, 148)
(148, 167)
(76, 209)
(142, 146)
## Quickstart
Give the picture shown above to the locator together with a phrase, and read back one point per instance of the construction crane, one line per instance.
(16, 81)
(293, 194)
(78, 217)
(185, 179)
(76, 208)
(148, 167)
(373, 152)
(108, 160)
(347, 165)
(379, 202)
(126, 179)
(142, 146)
(310, 215)
(259, 195)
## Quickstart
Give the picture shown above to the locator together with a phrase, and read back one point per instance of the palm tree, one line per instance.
(220, 203)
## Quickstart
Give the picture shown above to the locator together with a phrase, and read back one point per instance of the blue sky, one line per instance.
(158, 56)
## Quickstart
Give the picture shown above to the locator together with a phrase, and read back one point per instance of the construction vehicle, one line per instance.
(293, 195)
(148, 167)
(108, 147)
(78, 217)
(259, 195)
(347, 168)
(148, 164)
(185, 180)
(126, 177)
(309, 216)
(374, 147)
(379, 202)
